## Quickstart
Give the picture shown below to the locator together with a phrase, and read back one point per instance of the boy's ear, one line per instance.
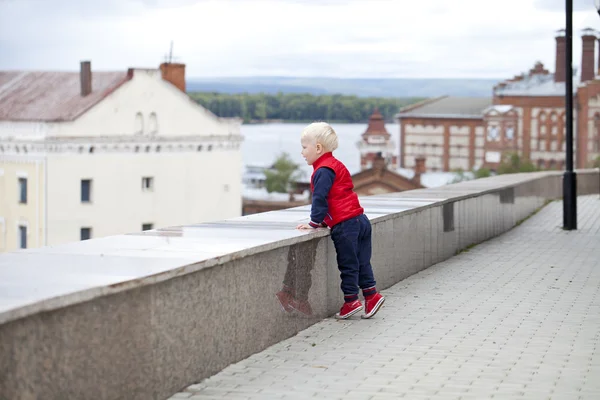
(319, 147)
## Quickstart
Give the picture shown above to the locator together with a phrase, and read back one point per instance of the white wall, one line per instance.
(147, 93)
(10, 130)
(189, 187)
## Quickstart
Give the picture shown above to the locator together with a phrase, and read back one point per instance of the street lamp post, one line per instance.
(597, 3)
(569, 178)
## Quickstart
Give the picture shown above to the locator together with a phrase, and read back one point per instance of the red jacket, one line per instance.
(342, 201)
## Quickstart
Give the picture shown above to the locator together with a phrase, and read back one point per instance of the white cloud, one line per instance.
(376, 38)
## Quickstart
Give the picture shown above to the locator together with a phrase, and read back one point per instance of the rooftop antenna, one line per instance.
(169, 57)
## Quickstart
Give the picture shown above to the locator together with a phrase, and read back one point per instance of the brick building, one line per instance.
(525, 114)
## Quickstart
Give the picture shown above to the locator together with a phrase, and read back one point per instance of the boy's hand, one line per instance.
(304, 226)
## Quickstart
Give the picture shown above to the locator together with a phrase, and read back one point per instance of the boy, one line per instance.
(335, 205)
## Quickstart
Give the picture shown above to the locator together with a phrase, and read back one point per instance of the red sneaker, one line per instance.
(349, 309)
(373, 304)
(285, 298)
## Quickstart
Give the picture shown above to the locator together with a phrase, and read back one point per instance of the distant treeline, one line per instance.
(299, 107)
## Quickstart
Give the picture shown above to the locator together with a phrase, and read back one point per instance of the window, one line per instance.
(492, 133)
(376, 139)
(153, 124)
(147, 184)
(86, 190)
(139, 123)
(542, 127)
(510, 133)
(23, 190)
(147, 227)
(22, 237)
(86, 233)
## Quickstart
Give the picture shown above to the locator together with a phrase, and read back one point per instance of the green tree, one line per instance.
(299, 106)
(261, 110)
(482, 173)
(596, 162)
(512, 163)
(461, 175)
(282, 175)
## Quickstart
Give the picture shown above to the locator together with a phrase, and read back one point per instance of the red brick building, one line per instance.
(447, 131)
(525, 114)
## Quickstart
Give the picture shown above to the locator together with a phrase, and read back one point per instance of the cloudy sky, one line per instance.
(332, 38)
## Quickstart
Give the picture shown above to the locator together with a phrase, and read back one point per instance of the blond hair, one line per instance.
(321, 132)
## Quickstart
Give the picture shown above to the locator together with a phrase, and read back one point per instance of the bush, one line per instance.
(512, 163)
(282, 175)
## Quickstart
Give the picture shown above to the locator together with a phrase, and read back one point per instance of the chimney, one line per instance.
(419, 169)
(588, 58)
(85, 76)
(174, 73)
(561, 57)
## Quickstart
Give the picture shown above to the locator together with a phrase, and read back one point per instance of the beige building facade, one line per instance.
(87, 155)
(22, 188)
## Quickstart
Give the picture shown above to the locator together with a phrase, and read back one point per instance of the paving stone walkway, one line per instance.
(516, 317)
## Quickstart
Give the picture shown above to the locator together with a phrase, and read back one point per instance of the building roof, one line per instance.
(535, 85)
(376, 126)
(449, 107)
(52, 96)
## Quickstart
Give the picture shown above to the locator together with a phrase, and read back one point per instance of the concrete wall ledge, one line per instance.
(144, 315)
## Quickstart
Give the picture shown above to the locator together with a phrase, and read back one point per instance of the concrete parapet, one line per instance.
(143, 316)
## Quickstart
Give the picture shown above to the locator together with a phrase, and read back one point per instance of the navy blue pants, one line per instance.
(352, 241)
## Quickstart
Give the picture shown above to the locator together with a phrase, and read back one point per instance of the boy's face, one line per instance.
(311, 151)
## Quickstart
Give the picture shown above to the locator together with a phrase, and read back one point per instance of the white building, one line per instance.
(94, 154)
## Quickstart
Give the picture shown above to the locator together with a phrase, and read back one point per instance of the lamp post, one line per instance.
(597, 4)
(569, 177)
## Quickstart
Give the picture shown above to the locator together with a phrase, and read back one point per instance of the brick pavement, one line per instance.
(516, 317)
